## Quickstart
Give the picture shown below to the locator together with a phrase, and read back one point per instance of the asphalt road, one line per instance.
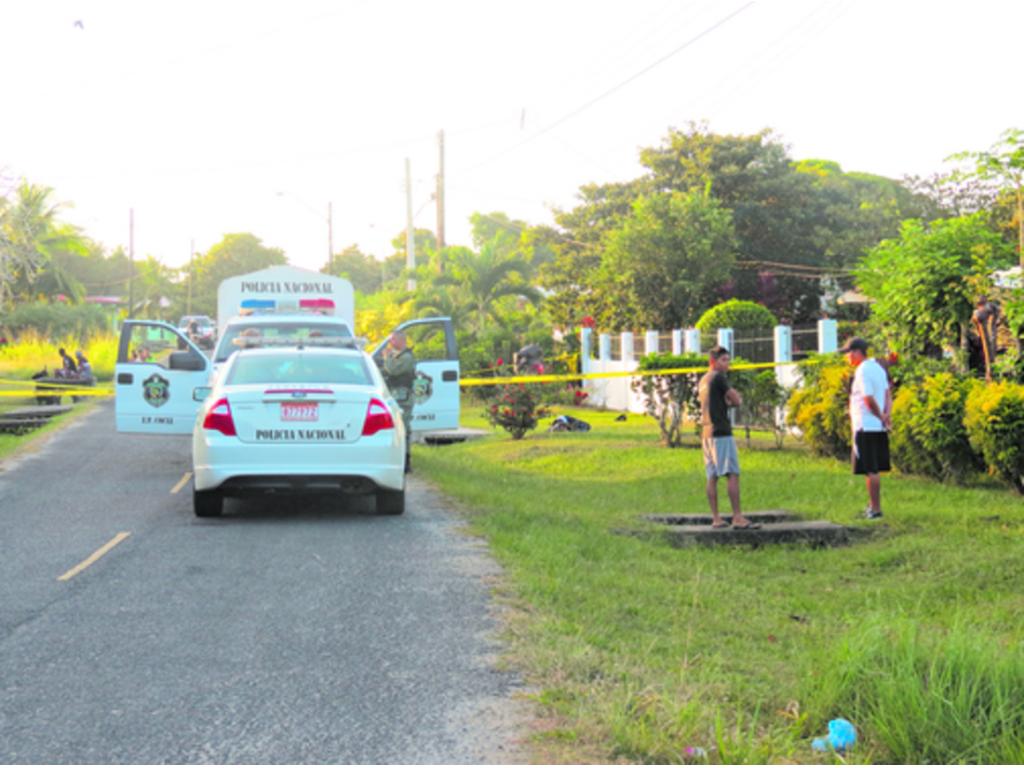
(288, 631)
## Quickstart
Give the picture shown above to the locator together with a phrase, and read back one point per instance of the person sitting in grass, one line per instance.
(68, 367)
(84, 366)
(720, 454)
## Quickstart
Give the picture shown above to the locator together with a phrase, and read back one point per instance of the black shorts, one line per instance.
(870, 453)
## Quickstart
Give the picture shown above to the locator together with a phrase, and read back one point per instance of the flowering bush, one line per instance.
(516, 408)
(994, 418)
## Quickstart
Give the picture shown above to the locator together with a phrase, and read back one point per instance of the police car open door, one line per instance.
(158, 368)
(436, 386)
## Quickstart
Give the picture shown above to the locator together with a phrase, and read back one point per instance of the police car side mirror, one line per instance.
(186, 361)
(199, 394)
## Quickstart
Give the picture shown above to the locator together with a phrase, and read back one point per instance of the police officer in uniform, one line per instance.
(399, 369)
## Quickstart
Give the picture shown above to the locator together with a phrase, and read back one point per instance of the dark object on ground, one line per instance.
(568, 424)
(621, 417)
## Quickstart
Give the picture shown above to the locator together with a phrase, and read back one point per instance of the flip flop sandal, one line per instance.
(747, 527)
(720, 527)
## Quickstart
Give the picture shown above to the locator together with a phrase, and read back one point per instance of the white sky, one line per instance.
(215, 117)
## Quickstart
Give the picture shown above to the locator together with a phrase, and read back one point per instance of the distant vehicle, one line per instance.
(298, 419)
(206, 330)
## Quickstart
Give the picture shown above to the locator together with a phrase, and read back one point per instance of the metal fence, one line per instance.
(805, 341)
(754, 346)
(616, 353)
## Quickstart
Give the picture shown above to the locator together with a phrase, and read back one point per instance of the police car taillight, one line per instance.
(378, 417)
(219, 418)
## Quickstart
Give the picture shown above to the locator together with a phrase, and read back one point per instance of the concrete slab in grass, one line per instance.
(815, 533)
(759, 516)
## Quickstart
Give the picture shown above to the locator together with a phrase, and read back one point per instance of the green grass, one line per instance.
(639, 651)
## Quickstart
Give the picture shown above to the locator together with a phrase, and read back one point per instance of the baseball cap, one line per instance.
(855, 343)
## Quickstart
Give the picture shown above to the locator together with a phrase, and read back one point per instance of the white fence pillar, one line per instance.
(783, 344)
(651, 343)
(627, 346)
(586, 344)
(604, 347)
(677, 341)
(828, 335)
(787, 375)
(725, 339)
(691, 340)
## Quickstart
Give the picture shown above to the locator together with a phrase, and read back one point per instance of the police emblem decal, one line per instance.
(156, 390)
(422, 388)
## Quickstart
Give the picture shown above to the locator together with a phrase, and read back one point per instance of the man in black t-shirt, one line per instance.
(720, 454)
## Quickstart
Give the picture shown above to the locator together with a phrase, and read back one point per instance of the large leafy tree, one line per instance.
(778, 212)
(925, 282)
(570, 274)
(799, 226)
(235, 254)
(1003, 166)
(661, 266)
(364, 272)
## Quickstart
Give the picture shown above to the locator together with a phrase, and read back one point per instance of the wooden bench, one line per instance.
(51, 395)
(20, 426)
(36, 412)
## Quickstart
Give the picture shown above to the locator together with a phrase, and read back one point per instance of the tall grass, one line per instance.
(33, 351)
(926, 697)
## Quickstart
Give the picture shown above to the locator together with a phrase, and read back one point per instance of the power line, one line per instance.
(618, 86)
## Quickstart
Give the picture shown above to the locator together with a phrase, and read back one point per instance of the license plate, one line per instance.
(300, 411)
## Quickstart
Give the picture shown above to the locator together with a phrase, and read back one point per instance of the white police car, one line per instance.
(298, 419)
(158, 368)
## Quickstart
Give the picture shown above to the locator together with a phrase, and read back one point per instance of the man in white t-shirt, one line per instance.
(870, 420)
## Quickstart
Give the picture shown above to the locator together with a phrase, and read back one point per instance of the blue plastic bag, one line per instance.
(841, 736)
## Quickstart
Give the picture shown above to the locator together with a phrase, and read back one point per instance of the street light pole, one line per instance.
(330, 235)
(131, 260)
(191, 256)
(410, 233)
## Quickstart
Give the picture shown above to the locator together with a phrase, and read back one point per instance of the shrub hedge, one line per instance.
(994, 420)
(928, 434)
(737, 314)
(57, 321)
(820, 408)
(946, 427)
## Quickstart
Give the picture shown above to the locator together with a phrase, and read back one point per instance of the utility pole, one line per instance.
(330, 236)
(131, 260)
(440, 201)
(410, 233)
(191, 255)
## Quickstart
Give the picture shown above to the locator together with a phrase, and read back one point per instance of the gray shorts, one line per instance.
(720, 456)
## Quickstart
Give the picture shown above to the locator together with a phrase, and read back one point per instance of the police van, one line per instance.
(160, 370)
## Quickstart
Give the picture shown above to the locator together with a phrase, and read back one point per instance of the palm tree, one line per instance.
(478, 280)
(30, 236)
(154, 288)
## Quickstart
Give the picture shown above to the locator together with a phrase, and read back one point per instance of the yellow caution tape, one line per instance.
(552, 378)
(37, 383)
(30, 393)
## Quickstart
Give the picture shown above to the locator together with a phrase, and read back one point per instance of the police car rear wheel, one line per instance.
(390, 502)
(207, 503)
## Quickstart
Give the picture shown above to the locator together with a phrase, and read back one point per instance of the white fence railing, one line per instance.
(616, 394)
